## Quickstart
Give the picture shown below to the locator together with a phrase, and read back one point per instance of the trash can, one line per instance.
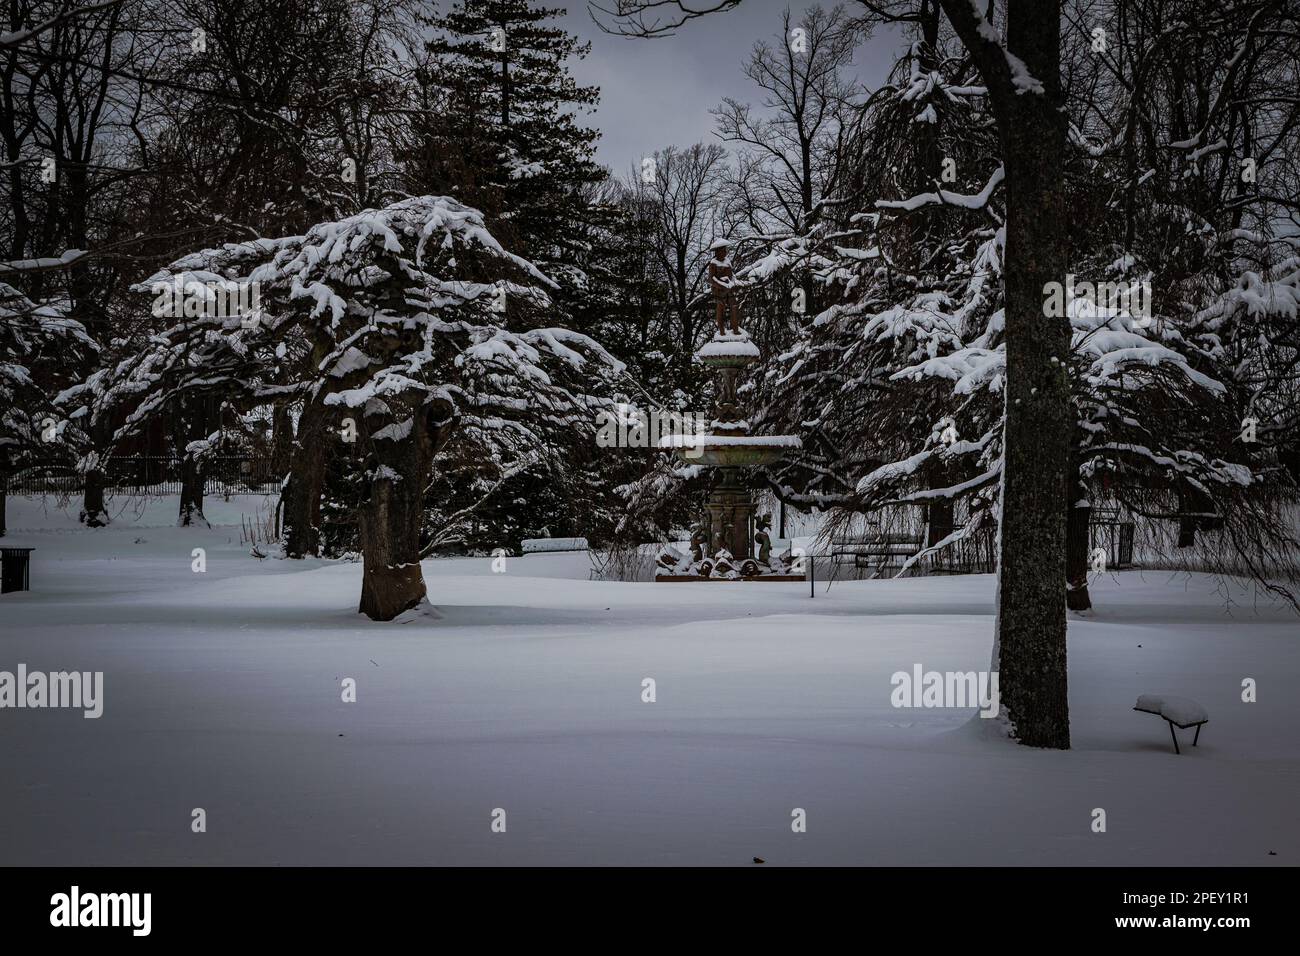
(14, 573)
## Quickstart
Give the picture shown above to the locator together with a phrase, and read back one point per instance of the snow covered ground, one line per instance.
(523, 691)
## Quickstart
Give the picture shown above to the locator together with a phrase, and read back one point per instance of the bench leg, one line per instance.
(1198, 734)
(1175, 736)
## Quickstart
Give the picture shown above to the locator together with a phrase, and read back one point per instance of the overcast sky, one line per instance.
(656, 93)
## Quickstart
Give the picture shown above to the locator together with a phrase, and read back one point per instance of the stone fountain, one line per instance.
(723, 543)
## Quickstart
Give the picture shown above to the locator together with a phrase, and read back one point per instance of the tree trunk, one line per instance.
(1078, 515)
(302, 490)
(390, 525)
(93, 514)
(392, 517)
(192, 481)
(1030, 642)
(1186, 522)
(940, 513)
(281, 440)
(195, 421)
(1031, 567)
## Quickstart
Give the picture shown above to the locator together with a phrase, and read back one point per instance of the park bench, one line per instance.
(1180, 712)
(877, 552)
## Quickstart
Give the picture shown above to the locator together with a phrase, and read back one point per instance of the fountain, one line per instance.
(722, 544)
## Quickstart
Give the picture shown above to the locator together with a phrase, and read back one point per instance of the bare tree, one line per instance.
(683, 188)
(796, 141)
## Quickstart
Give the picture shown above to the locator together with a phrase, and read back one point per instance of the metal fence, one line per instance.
(150, 475)
(1113, 533)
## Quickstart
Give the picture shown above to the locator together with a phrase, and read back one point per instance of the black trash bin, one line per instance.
(14, 569)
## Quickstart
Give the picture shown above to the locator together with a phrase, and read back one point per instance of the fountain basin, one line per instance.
(731, 451)
(728, 352)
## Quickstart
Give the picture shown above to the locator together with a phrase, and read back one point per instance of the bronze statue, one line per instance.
(764, 541)
(723, 283)
(700, 542)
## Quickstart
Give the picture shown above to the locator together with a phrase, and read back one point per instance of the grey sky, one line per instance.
(656, 93)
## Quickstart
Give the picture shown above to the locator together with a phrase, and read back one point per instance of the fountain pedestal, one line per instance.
(729, 514)
(723, 547)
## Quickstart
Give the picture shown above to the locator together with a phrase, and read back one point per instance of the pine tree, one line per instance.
(502, 132)
(40, 347)
(508, 129)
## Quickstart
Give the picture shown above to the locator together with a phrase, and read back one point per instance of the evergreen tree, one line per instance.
(509, 119)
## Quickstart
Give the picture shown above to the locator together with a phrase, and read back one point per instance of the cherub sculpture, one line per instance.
(700, 542)
(723, 282)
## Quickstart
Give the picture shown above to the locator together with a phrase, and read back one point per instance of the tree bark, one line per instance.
(93, 514)
(390, 524)
(940, 512)
(302, 490)
(1030, 640)
(1186, 522)
(1078, 516)
(281, 440)
(392, 518)
(192, 481)
(195, 420)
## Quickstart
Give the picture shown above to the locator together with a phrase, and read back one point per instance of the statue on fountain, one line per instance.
(764, 541)
(700, 542)
(723, 282)
(724, 543)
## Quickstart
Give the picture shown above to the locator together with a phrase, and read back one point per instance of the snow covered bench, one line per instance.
(537, 545)
(1181, 712)
(877, 552)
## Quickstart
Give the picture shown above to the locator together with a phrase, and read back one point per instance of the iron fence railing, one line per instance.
(1112, 532)
(149, 475)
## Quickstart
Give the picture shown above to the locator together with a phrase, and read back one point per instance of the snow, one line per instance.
(947, 198)
(352, 360)
(398, 431)
(537, 545)
(44, 264)
(728, 347)
(1183, 711)
(748, 441)
(1276, 293)
(522, 691)
(894, 470)
(1021, 78)
(526, 170)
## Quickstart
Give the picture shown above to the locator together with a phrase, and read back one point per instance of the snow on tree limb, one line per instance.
(946, 198)
(16, 267)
